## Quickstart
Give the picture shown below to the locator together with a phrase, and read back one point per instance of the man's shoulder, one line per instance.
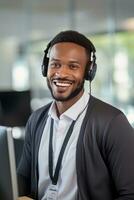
(101, 116)
(42, 109)
(40, 113)
(102, 111)
(103, 106)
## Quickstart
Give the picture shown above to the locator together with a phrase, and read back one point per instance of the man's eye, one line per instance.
(73, 66)
(54, 65)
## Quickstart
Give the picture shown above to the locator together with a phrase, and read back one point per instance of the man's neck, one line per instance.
(62, 106)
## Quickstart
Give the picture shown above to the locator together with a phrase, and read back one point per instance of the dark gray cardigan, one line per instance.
(104, 155)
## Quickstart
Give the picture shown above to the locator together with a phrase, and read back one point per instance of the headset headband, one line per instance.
(77, 38)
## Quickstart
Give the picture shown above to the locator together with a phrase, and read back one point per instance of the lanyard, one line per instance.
(54, 178)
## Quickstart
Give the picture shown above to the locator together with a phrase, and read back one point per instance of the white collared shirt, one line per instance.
(67, 180)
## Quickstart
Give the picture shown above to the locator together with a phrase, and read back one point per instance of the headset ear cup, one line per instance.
(44, 66)
(92, 71)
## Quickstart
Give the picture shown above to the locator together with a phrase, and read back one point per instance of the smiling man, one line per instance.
(66, 70)
(77, 147)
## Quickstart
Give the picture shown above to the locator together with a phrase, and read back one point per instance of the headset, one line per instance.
(90, 68)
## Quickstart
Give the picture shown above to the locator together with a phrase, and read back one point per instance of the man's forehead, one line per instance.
(66, 46)
(70, 52)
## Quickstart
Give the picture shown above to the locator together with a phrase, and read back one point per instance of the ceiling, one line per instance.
(24, 19)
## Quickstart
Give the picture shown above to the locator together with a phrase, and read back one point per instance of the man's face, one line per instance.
(66, 70)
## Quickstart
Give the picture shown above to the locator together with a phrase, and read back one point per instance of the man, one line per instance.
(76, 147)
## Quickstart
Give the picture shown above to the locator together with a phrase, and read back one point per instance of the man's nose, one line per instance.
(62, 70)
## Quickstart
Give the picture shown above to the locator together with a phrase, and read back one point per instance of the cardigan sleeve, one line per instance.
(119, 149)
(27, 170)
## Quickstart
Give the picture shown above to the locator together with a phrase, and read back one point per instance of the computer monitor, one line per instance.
(15, 108)
(8, 177)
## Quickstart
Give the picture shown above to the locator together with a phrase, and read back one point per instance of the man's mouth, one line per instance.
(62, 83)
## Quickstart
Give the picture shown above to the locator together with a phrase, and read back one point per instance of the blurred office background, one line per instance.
(26, 26)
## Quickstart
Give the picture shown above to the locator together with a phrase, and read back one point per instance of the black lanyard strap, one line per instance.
(54, 178)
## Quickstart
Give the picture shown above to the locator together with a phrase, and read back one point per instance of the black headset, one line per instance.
(91, 67)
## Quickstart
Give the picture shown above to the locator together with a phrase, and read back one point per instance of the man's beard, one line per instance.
(70, 96)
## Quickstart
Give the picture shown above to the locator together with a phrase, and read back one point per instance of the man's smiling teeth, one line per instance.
(62, 84)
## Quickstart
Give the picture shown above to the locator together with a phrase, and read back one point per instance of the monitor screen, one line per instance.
(8, 177)
(15, 108)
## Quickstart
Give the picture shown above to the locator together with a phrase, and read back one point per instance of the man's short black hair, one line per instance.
(75, 37)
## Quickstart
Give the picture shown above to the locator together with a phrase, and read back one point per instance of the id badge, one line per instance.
(52, 192)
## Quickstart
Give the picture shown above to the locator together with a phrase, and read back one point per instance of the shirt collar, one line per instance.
(73, 111)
